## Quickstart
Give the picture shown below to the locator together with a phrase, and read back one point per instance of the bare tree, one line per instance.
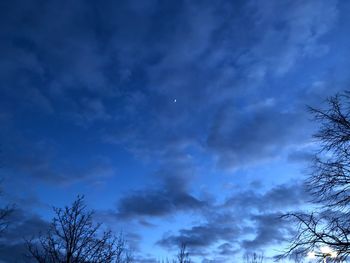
(123, 251)
(6, 210)
(329, 184)
(254, 258)
(4, 216)
(74, 238)
(183, 255)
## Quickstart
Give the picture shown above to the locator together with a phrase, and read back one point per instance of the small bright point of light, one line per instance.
(311, 255)
(175, 100)
(326, 250)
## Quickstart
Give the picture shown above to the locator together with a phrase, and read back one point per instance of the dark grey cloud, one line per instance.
(197, 54)
(170, 190)
(269, 230)
(219, 226)
(157, 203)
(301, 156)
(82, 60)
(24, 225)
(292, 34)
(227, 249)
(200, 236)
(253, 134)
(277, 198)
(264, 211)
(247, 221)
(42, 160)
(169, 197)
(13, 253)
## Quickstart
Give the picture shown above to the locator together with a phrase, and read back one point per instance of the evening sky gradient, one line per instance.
(180, 121)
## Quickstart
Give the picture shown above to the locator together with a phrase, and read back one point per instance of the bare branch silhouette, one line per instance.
(74, 238)
(183, 255)
(329, 184)
(4, 216)
(254, 258)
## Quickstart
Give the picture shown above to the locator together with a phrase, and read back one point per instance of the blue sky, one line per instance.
(180, 121)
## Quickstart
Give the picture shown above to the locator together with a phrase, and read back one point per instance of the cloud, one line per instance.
(227, 249)
(203, 235)
(171, 190)
(301, 156)
(218, 93)
(24, 226)
(269, 230)
(169, 197)
(232, 233)
(13, 253)
(198, 56)
(292, 34)
(253, 134)
(248, 220)
(277, 198)
(154, 203)
(41, 160)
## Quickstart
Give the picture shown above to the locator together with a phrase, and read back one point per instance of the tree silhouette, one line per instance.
(5, 212)
(329, 184)
(4, 216)
(74, 238)
(254, 258)
(183, 255)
